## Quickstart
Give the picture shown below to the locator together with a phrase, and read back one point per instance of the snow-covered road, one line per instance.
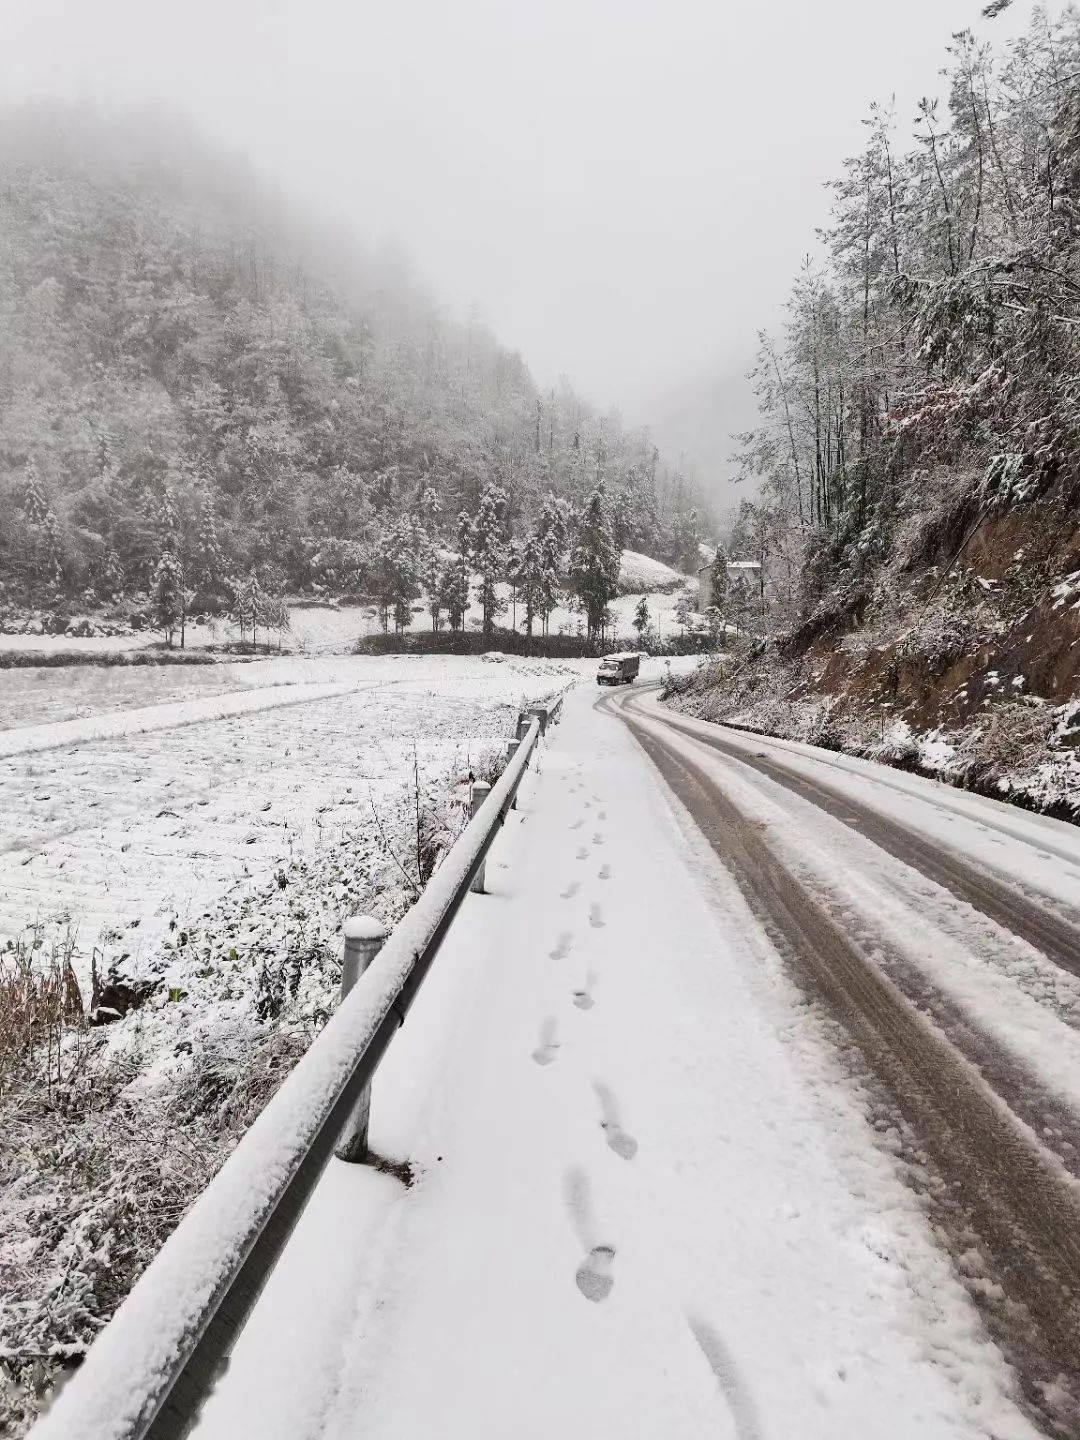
(648, 1201)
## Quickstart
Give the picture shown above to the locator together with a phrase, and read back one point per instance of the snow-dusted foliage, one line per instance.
(186, 368)
(940, 330)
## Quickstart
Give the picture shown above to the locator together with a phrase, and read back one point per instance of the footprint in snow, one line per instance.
(571, 890)
(593, 1276)
(583, 853)
(545, 1052)
(601, 814)
(562, 945)
(624, 1145)
(598, 839)
(577, 824)
(596, 918)
(605, 872)
(729, 1377)
(583, 998)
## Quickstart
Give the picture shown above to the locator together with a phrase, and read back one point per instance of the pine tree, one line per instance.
(43, 563)
(429, 570)
(641, 617)
(515, 560)
(551, 540)
(455, 577)
(208, 566)
(108, 576)
(488, 554)
(453, 591)
(395, 561)
(245, 604)
(594, 562)
(35, 504)
(718, 578)
(169, 523)
(168, 595)
(529, 575)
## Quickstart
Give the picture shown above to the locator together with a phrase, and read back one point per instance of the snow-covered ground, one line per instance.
(133, 816)
(648, 1203)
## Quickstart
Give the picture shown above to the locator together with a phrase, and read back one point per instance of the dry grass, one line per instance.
(39, 1002)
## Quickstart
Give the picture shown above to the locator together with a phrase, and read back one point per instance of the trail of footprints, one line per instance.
(595, 1275)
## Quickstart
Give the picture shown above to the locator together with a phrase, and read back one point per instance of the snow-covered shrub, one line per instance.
(941, 636)
(1010, 740)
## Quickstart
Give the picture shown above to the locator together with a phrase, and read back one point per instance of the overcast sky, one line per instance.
(624, 187)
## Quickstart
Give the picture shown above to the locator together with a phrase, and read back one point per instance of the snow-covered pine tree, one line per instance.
(207, 563)
(43, 562)
(641, 617)
(108, 577)
(529, 578)
(169, 523)
(684, 609)
(551, 539)
(168, 595)
(429, 567)
(244, 604)
(453, 591)
(392, 570)
(258, 599)
(514, 565)
(594, 562)
(455, 577)
(718, 578)
(488, 554)
(35, 504)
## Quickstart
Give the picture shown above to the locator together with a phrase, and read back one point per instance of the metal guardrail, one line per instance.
(149, 1372)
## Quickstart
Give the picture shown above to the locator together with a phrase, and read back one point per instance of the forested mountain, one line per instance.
(187, 367)
(942, 328)
(918, 453)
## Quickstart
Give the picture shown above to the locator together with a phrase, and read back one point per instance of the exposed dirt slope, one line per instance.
(959, 655)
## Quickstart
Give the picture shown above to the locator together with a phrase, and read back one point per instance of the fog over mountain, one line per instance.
(620, 190)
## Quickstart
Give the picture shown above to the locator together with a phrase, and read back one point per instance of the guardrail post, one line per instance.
(539, 712)
(480, 791)
(511, 751)
(364, 938)
(522, 725)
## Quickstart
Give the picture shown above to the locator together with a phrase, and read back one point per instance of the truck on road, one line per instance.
(619, 669)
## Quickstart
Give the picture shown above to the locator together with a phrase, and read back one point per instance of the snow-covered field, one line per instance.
(132, 814)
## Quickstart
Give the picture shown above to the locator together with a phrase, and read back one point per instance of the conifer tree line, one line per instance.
(937, 337)
(181, 357)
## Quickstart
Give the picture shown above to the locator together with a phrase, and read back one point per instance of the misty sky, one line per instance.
(624, 187)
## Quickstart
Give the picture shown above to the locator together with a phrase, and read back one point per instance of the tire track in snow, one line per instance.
(1012, 1193)
(1048, 929)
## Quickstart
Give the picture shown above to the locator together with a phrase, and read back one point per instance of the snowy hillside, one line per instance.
(639, 574)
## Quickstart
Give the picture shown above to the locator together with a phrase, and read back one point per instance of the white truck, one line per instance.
(619, 669)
